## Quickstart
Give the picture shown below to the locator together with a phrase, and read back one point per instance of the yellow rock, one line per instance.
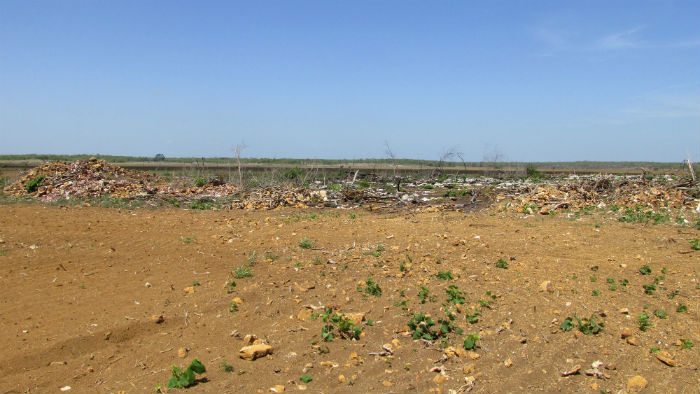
(387, 383)
(439, 379)
(626, 332)
(341, 379)
(277, 389)
(304, 314)
(253, 352)
(636, 384)
(182, 352)
(473, 355)
(189, 290)
(469, 368)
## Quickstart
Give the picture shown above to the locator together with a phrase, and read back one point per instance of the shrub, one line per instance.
(34, 184)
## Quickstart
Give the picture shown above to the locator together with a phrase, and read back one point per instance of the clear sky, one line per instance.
(529, 80)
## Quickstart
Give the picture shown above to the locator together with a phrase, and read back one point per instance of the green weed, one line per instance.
(470, 342)
(242, 272)
(306, 243)
(444, 275)
(643, 321)
(454, 295)
(502, 264)
(186, 378)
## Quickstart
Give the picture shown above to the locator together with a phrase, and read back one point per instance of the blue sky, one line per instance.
(529, 80)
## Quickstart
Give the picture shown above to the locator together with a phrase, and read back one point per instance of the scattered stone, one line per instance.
(307, 367)
(439, 379)
(301, 387)
(469, 368)
(473, 355)
(253, 352)
(342, 379)
(470, 381)
(546, 286)
(189, 290)
(278, 388)
(182, 352)
(304, 314)
(632, 341)
(65, 388)
(636, 384)
(157, 319)
(357, 318)
(508, 363)
(455, 352)
(595, 370)
(573, 371)
(625, 311)
(387, 383)
(52, 363)
(626, 332)
(237, 301)
(250, 339)
(666, 358)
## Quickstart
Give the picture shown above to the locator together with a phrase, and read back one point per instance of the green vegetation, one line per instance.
(695, 244)
(372, 288)
(337, 322)
(660, 314)
(34, 184)
(682, 308)
(242, 272)
(376, 252)
(423, 294)
(187, 378)
(686, 344)
(271, 256)
(588, 326)
(199, 182)
(645, 270)
(638, 215)
(470, 341)
(454, 295)
(643, 321)
(502, 264)
(225, 366)
(444, 275)
(306, 243)
(306, 378)
(567, 324)
(188, 240)
(472, 316)
(421, 327)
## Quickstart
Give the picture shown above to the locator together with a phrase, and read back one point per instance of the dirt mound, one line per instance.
(57, 180)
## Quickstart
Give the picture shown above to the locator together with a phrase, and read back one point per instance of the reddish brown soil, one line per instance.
(76, 310)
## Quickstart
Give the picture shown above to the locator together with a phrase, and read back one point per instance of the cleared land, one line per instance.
(84, 287)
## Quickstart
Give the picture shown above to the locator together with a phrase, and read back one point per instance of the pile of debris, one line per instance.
(57, 180)
(273, 197)
(600, 192)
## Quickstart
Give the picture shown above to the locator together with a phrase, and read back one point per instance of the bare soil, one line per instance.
(80, 285)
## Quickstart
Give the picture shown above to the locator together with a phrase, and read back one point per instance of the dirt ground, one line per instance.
(81, 284)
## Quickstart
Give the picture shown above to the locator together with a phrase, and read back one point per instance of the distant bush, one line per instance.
(34, 184)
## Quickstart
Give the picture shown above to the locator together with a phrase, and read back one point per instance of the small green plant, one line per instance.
(470, 342)
(252, 258)
(372, 288)
(645, 270)
(454, 295)
(201, 205)
(686, 344)
(363, 184)
(673, 294)
(502, 264)
(423, 294)
(589, 326)
(242, 272)
(233, 307)
(428, 187)
(306, 243)
(643, 321)
(337, 322)
(595, 292)
(271, 256)
(567, 324)
(34, 184)
(199, 182)
(593, 278)
(654, 350)
(594, 268)
(682, 308)
(353, 216)
(445, 275)
(660, 314)
(649, 288)
(421, 327)
(188, 240)
(186, 378)
(225, 366)
(624, 282)
(376, 252)
(472, 316)
(317, 260)
(695, 244)
(196, 283)
(229, 286)
(306, 378)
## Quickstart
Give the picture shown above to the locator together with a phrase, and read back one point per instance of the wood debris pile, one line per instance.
(601, 192)
(273, 197)
(83, 178)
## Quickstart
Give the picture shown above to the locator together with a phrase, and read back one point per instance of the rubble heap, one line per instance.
(57, 180)
(601, 192)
